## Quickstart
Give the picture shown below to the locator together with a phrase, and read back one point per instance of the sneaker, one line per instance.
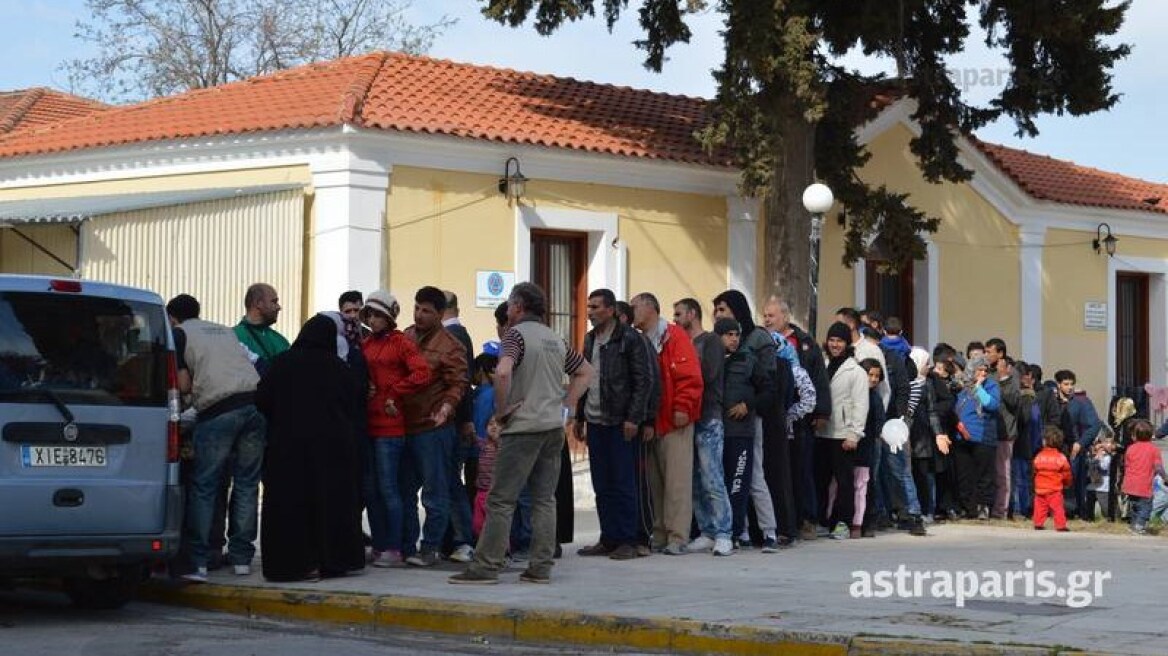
(643, 551)
(822, 531)
(242, 570)
(623, 552)
(464, 553)
(598, 549)
(807, 531)
(674, 549)
(424, 558)
(769, 545)
(1138, 529)
(699, 544)
(785, 542)
(197, 576)
(529, 576)
(744, 542)
(387, 559)
(470, 577)
(840, 532)
(723, 547)
(983, 514)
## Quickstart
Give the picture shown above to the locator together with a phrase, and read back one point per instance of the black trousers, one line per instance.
(776, 469)
(975, 474)
(833, 463)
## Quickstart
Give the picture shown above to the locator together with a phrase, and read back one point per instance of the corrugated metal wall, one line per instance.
(211, 250)
(19, 256)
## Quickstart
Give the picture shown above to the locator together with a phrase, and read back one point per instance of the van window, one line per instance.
(85, 349)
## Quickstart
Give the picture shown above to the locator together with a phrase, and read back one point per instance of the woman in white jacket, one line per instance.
(836, 446)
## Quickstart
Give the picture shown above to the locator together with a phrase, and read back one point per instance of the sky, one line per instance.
(36, 35)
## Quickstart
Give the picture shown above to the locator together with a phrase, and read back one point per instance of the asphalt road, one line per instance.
(44, 624)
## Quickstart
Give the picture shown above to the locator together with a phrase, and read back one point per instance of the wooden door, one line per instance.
(559, 267)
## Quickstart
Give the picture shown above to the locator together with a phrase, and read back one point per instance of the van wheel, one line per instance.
(108, 593)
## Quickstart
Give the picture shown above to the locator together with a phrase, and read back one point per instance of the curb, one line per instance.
(549, 626)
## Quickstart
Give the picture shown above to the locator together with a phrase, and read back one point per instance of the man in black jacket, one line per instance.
(459, 536)
(610, 415)
(777, 319)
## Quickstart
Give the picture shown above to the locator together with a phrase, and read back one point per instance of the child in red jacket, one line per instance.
(1052, 473)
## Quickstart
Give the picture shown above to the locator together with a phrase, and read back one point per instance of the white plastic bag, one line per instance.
(895, 433)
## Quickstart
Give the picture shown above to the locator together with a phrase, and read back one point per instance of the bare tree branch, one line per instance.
(152, 48)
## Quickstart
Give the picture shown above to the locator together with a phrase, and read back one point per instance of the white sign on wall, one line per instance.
(1094, 316)
(493, 287)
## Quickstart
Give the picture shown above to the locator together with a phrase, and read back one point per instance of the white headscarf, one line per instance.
(921, 359)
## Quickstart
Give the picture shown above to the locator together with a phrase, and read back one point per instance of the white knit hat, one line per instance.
(384, 302)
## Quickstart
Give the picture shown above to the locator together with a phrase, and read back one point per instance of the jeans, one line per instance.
(1141, 511)
(613, 463)
(390, 517)
(710, 502)
(521, 523)
(460, 521)
(1021, 501)
(898, 470)
(737, 467)
(426, 465)
(233, 441)
(371, 497)
(529, 460)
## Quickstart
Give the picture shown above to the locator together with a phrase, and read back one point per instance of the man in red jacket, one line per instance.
(671, 440)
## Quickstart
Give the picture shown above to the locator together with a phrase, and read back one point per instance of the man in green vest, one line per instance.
(255, 330)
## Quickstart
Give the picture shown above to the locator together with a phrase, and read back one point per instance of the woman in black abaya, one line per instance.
(311, 521)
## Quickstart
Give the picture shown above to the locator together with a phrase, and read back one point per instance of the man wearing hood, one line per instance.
(771, 476)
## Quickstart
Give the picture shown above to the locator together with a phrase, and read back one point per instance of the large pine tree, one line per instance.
(788, 111)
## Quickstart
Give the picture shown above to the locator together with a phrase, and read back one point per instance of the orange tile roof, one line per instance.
(1060, 181)
(33, 107)
(394, 91)
(399, 92)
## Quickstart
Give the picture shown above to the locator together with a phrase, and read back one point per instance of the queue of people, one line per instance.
(698, 442)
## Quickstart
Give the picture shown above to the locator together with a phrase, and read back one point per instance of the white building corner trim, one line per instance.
(1030, 241)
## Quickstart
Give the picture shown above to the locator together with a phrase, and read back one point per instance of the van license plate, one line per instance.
(62, 456)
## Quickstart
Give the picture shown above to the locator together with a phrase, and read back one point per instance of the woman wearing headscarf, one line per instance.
(311, 523)
(924, 426)
(837, 441)
(976, 443)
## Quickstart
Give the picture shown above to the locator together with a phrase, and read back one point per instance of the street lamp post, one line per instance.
(817, 200)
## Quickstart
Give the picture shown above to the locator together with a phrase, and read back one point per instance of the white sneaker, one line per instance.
(197, 576)
(723, 547)
(699, 544)
(243, 570)
(463, 554)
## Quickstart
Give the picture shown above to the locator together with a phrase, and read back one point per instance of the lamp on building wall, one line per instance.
(513, 183)
(1104, 240)
(817, 200)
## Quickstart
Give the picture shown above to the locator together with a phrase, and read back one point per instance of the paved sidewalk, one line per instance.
(758, 603)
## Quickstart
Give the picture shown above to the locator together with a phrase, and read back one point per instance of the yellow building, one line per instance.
(393, 171)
